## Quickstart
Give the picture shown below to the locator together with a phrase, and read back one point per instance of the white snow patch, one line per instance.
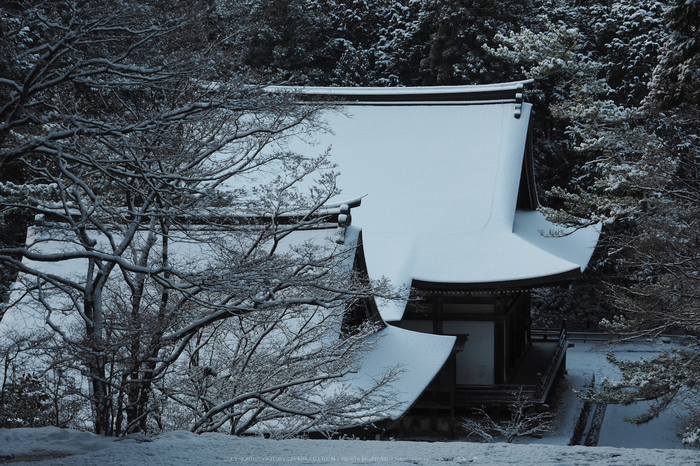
(586, 359)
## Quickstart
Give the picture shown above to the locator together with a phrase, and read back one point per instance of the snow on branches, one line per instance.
(177, 258)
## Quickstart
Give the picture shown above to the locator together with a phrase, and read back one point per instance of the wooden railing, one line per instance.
(540, 334)
(547, 380)
(604, 337)
(465, 395)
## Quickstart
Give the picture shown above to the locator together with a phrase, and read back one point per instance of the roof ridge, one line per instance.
(483, 93)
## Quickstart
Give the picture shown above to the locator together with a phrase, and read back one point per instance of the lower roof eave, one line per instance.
(558, 279)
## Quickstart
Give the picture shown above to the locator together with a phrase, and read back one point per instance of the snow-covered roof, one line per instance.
(190, 250)
(419, 356)
(440, 172)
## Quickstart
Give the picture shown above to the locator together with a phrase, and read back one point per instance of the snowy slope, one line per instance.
(177, 448)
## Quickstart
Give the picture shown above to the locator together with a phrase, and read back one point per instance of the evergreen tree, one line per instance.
(677, 78)
(24, 403)
(640, 176)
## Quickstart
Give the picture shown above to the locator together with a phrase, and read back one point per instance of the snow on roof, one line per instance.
(26, 314)
(565, 243)
(441, 183)
(420, 356)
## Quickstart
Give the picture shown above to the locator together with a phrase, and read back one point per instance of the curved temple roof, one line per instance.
(440, 170)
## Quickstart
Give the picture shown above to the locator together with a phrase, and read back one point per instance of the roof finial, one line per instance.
(519, 101)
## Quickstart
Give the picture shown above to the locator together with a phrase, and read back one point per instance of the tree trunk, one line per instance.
(102, 401)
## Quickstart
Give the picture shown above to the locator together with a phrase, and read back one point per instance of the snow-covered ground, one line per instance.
(178, 448)
(652, 444)
(586, 359)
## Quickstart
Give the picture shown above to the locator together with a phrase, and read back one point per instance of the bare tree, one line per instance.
(280, 377)
(526, 418)
(165, 200)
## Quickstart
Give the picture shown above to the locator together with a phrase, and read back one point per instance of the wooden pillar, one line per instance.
(453, 388)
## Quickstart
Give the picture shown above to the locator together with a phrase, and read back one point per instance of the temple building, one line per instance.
(439, 197)
(449, 214)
